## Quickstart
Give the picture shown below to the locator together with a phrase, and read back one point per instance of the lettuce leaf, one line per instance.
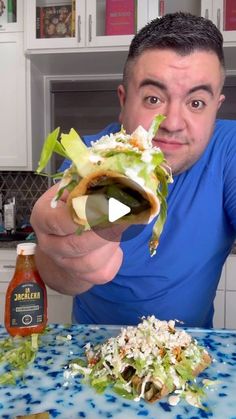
(50, 145)
(15, 356)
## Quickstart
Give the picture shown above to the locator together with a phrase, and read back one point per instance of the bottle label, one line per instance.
(27, 305)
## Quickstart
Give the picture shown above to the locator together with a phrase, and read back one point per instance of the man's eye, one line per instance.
(153, 100)
(197, 104)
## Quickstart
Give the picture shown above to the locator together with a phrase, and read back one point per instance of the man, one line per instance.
(175, 67)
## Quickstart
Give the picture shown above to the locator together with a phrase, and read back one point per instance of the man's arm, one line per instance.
(67, 262)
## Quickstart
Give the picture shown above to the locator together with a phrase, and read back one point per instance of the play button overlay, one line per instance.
(116, 210)
(118, 205)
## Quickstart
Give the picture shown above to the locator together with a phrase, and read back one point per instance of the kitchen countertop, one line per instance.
(9, 244)
(44, 387)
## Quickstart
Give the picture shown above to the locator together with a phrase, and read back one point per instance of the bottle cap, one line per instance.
(25, 249)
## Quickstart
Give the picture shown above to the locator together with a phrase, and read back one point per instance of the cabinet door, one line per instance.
(231, 292)
(60, 26)
(207, 9)
(196, 7)
(224, 16)
(219, 302)
(219, 306)
(12, 101)
(11, 15)
(231, 273)
(7, 267)
(59, 307)
(3, 289)
(114, 23)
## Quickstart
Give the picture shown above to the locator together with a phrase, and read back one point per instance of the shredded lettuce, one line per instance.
(50, 145)
(76, 151)
(155, 126)
(15, 356)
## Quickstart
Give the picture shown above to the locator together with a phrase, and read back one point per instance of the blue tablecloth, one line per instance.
(44, 389)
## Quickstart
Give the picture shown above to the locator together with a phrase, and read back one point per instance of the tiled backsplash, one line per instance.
(26, 187)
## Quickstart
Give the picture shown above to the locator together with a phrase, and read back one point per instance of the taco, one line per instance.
(148, 361)
(122, 166)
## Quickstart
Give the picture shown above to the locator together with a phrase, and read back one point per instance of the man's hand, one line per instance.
(68, 262)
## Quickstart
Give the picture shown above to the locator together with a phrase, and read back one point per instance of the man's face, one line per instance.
(186, 89)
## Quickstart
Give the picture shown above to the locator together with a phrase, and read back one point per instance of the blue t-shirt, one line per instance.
(180, 281)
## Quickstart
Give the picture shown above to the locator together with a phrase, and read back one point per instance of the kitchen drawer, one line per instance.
(231, 273)
(219, 306)
(7, 264)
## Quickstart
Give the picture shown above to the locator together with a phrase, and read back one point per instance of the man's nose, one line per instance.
(174, 118)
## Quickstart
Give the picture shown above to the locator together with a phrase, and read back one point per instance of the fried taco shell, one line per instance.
(101, 186)
(155, 390)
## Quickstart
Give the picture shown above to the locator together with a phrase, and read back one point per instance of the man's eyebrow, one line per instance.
(151, 82)
(206, 87)
(162, 86)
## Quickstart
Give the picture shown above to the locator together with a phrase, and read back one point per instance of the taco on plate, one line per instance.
(148, 361)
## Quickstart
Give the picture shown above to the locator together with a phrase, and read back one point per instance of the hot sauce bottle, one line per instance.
(26, 296)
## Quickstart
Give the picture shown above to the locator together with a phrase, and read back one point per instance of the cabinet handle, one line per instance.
(8, 266)
(218, 18)
(90, 28)
(207, 13)
(79, 28)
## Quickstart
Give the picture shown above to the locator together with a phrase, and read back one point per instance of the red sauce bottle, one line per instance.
(26, 296)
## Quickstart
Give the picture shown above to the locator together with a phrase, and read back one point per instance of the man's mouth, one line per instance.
(167, 144)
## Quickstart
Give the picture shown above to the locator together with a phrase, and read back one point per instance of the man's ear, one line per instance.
(221, 100)
(122, 97)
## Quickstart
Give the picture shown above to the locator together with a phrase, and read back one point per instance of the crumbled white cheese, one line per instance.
(94, 158)
(146, 156)
(173, 400)
(132, 174)
(111, 141)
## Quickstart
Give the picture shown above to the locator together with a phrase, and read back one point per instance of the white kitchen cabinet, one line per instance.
(7, 266)
(224, 16)
(89, 22)
(230, 314)
(13, 141)
(207, 9)
(15, 150)
(36, 40)
(219, 306)
(219, 302)
(11, 18)
(59, 306)
(89, 25)
(225, 301)
(221, 12)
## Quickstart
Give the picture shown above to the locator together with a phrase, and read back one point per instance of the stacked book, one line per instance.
(55, 21)
(120, 17)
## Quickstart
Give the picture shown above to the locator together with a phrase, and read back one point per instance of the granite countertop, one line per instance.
(9, 244)
(46, 388)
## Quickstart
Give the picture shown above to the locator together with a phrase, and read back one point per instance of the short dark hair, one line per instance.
(182, 32)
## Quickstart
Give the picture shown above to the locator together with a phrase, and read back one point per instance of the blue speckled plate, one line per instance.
(43, 388)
